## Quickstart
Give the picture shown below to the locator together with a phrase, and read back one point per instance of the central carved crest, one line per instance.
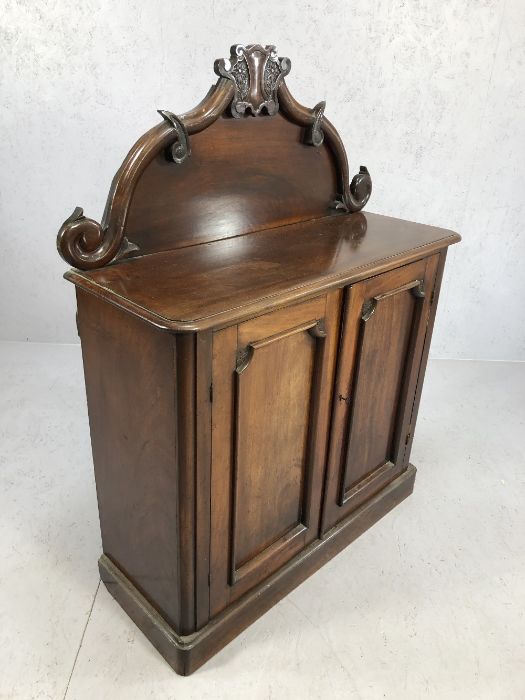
(255, 72)
(252, 81)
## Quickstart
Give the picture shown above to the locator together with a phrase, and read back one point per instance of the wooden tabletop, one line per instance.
(214, 284)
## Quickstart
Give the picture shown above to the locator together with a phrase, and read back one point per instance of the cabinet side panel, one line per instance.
(129, 373)
(439, 262)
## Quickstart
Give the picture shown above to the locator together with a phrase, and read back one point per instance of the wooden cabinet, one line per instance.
(254, 349)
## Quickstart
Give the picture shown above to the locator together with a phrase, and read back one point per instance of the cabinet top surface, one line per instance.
(213, 284)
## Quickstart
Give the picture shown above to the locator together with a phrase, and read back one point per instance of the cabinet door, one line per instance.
(272, 377)
(384, 326)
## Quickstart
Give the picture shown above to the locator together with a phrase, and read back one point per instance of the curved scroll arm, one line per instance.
(86, 244)
(352, 196)
(180, 149)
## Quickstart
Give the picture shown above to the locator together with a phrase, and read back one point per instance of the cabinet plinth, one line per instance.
(253, 355)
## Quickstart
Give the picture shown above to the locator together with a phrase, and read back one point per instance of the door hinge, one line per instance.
(211, 392)
(409, 435)
(432, 297)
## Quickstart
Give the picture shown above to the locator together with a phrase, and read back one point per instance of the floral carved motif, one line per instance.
(256, 72)
(251, 82)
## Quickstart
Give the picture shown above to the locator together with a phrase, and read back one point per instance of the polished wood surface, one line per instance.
(180, 184)
(258, 446)
(254, 356)
(129, 372)
(187, 653)
(235, 194)
(271, 405)
(204, 286)
(234, 459)
(384, 326)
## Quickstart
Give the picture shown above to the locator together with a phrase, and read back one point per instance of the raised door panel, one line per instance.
(270, 413)
(273, 416)
(384, 326)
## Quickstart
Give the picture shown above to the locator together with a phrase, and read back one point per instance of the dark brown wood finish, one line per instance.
(235, 194)
(150, 200)
(130, 382)
(202, 474)
(271, 382)
(254, 357)
(186, 653)
(434, 298)
(384, 327)
(219, 283)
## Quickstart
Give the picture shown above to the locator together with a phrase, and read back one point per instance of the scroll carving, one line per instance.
(314, 134)
(357, 195)
(353, 195)
(180, 149)
(256, 72)
(251, 81)
(86, 244)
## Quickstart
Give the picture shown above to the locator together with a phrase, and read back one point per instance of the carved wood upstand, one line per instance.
(254, 350)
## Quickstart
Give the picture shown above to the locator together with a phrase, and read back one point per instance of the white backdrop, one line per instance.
(430, 95)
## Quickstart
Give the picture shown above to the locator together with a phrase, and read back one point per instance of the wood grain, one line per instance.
(231, 185)
(204, 176)
(219, 283)
(385, 324)
(129, 373)
(185, 654)
(269, 437)
(257, 442)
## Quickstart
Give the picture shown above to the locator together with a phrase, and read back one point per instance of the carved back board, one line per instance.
(248, 157)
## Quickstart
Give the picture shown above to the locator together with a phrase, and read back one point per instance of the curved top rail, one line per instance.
(251, 81)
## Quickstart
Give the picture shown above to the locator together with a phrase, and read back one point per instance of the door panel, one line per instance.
(270, 414)
(384, 327)
(271, 455)
(383, 345)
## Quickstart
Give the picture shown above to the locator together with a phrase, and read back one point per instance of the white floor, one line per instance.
(430, 603)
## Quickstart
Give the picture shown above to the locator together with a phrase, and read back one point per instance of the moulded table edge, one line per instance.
(237, 313)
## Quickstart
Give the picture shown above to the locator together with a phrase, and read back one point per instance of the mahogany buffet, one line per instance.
(254, 350)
